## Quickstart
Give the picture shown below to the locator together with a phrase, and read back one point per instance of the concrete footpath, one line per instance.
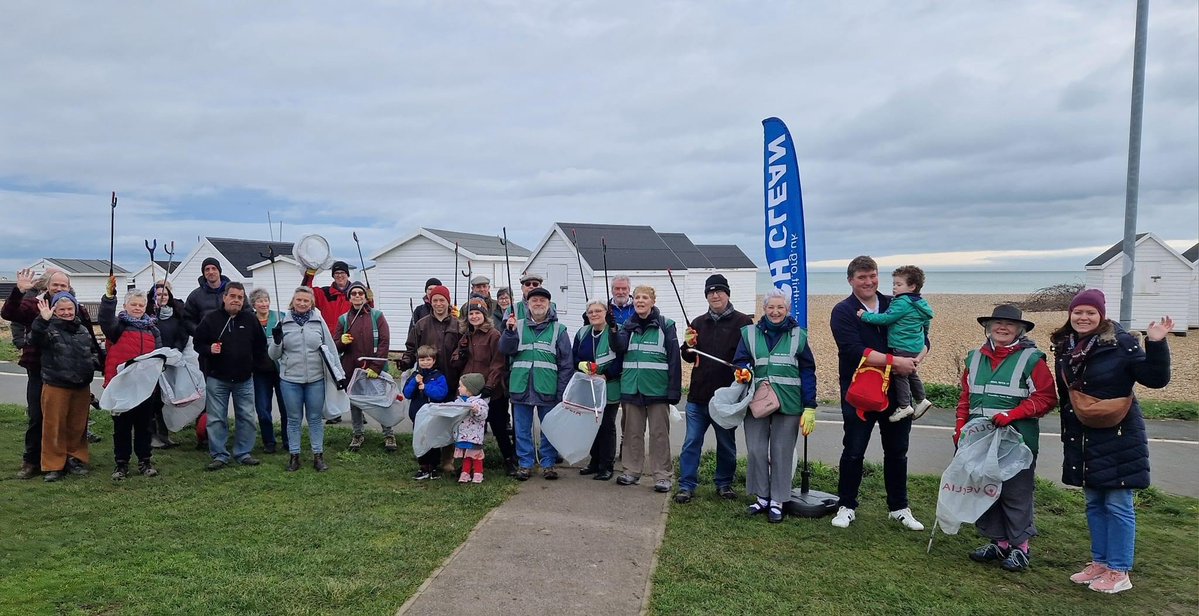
(571, 546)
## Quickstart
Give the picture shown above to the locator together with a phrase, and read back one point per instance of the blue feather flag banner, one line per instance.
(786, 257)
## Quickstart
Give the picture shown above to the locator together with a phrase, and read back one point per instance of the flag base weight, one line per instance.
(810, 504)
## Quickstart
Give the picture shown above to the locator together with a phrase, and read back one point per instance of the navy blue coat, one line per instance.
(1110, 458)
(853, 337)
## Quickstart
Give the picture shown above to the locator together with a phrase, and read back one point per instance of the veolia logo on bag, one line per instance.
(990, 489)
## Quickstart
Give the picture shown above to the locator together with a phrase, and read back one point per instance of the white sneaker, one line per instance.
(922, 408)
(844, 516)
(906, 518)
(901, 413)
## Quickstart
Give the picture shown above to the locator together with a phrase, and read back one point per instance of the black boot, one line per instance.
(510, 467)
(293, 463)
(318, 462)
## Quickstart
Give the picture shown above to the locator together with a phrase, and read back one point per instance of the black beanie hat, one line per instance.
(432, 282)
(340, 266)
(716, 282)
(210, 261)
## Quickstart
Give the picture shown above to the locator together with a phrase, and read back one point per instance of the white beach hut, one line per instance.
(402, 267)
(1163, 282)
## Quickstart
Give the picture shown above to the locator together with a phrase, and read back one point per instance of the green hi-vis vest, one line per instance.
(375, 314)
(536, 354)
(1004, 388)
(778, 367)
(603, 357)
(645, 370)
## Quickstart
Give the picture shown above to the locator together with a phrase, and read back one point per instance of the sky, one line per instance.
(954, 135)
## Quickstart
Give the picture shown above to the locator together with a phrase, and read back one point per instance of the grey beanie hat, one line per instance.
(473, 382)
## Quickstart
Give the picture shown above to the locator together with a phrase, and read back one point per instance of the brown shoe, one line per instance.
(28, 471)
(318, 462)
(389, 443)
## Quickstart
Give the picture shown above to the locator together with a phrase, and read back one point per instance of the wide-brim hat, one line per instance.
(1008, 312)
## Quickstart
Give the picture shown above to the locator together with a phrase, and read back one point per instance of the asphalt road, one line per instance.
(1173, 445)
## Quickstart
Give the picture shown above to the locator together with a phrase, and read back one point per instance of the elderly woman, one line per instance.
(775, 352)
(1096, 364)
(295, 343)
(1007, 381)
(594, 352)
(651, 381)
(266, 376)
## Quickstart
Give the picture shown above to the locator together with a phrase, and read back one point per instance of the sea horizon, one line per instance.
(955, 282)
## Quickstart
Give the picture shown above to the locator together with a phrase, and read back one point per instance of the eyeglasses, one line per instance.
(357, 294)
(531, 283)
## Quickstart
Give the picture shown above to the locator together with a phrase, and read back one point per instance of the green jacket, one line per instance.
(906, 321)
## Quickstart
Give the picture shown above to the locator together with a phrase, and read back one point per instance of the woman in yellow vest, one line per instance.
(776, 351)
(1007, 381)
(650, 381)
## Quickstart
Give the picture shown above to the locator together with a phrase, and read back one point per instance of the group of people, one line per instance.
(511, 360)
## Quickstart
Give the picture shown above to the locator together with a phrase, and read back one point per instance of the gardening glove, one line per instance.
(454, 311)
(486, 392)
(277, 333)
(310, 272)
(610, 317)
(1002, 419)
(807, 421)
(110, 288)
(957, 430)
(691, 337)
(371, 374)
(743, 376)
(588, 367)
(346, 338)
(370, 297)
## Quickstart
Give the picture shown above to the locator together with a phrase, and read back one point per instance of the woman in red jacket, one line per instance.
(128, 334)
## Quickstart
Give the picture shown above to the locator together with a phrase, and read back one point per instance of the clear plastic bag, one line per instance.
(134, 382)
(986, 457)
(183, 390)
(435, 425)
(572, 430)
(728, 405)
(377, 397)
(586, 391)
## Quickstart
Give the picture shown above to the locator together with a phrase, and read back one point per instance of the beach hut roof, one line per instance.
(686, 250)
(244, 253)
(471, 245)
(1117, 249)
(85, 267)
(1192, 254)
(630, 247)
(727, 256)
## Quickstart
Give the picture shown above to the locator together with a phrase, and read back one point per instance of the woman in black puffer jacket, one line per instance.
(1097, 357)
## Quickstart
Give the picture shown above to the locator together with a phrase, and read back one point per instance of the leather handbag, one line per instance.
(868, 391)
(765, 401)
(1095, 412)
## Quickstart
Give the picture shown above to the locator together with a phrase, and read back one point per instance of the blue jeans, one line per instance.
(217, 394)
(698, 421)
(895, 437)
(305, 401)
(264, 386)
(1112, 521)
(523, 418)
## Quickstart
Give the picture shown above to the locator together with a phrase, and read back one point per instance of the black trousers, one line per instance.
(131, 430)
(603, 450)
(33, 411)
(499, 418)
(895, 456)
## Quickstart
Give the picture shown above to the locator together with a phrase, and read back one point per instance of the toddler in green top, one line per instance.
(907, 320)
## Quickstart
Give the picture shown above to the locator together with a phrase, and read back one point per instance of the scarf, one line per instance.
(1077, 350)
(727, 311)
(301, 317)
(145, 322)
(165, 312)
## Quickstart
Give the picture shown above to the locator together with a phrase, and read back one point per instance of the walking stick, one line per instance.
(607, 289)
(455, 302)
(680, 297)
(151, 248)
(270, 256)
(362, 261)
(112, 230)
(586, 298)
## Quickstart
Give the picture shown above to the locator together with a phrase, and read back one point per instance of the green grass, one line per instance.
(8, 352)
(715, 560)
(1170, 409)
(358, 539)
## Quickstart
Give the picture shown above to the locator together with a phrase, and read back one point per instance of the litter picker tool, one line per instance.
(170, 250)
(579, 255)
(270, 256)
(507, 263)
(112, 233)
(362, 261)
(807, 503)
(680, 297)
(715, 358)
(150, 248)
(607, 289)
(455, 302)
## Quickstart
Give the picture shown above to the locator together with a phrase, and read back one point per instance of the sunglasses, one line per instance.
(531, 283)
(357, 293)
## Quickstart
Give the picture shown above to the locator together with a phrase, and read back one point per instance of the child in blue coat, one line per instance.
(426, 384)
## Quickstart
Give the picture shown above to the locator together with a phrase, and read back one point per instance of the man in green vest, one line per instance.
(541, 367)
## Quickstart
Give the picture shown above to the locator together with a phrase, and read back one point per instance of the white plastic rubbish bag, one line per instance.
(585, 391)
(183, 390)
(728, 405)
(377, 397)
(986, 457)
(572, 430)
(435, 425)
(676, 416)
(134, 382)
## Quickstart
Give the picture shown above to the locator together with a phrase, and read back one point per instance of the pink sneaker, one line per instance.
(478, 478)
(1112, 582)
(464, 478)
(1089, 574)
